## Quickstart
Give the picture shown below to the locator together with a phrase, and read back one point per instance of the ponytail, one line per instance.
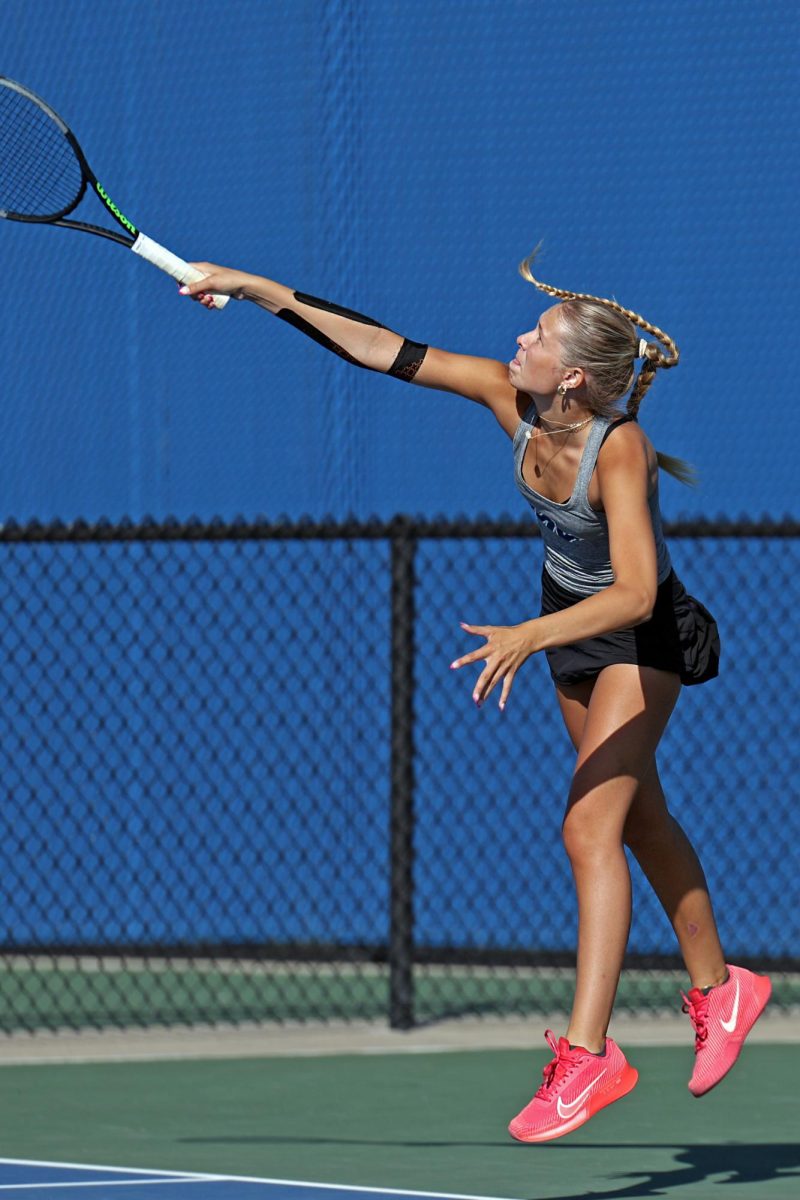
(608, 347)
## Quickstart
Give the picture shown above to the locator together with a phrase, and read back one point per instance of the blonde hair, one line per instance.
(599, 336)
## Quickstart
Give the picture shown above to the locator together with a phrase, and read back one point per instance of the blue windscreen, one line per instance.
(399, 158)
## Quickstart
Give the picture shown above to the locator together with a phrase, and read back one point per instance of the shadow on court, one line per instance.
(752, 1164)
(737, 1163)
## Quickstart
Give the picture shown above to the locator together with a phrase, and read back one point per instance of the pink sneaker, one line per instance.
(722, 1020)
(576, 1085)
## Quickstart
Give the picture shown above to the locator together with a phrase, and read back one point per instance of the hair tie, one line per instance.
(642, 348)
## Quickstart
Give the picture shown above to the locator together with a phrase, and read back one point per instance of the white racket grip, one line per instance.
(165, 260)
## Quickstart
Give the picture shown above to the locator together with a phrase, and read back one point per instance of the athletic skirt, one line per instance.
(681, 636)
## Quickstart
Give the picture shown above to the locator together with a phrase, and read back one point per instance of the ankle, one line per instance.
(592, 1045)
(706, 982)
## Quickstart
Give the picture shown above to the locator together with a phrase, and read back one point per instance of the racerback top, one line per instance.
(575, 535)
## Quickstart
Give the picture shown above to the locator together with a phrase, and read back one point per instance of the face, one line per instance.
(537, 367)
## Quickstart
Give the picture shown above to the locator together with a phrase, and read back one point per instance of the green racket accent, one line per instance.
(112, 208)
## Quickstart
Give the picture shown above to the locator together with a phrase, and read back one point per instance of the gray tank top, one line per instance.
(575, 535)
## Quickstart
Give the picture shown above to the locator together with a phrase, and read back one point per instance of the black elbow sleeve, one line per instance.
(408, 361)
(409, 357)
(328, 306)
(293, 318)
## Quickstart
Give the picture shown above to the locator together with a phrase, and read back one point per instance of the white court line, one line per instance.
(87, 1183)
(192, 1177)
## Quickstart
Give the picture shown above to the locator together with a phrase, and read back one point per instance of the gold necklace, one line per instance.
(530, 433)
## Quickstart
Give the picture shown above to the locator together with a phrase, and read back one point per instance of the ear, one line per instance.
(574, 378)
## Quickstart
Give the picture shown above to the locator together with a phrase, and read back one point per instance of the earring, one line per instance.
(562, 391)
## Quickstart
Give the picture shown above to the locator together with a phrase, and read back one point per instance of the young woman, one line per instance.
(620, 635)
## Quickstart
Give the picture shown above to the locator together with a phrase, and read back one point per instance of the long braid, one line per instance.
(653, 359)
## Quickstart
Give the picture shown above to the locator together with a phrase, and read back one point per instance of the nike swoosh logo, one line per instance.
(568, 1110)
(729, 1026)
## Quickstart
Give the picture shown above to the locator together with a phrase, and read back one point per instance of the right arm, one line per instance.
(365, 343)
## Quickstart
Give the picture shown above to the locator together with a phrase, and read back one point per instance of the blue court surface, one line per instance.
(47, 1180)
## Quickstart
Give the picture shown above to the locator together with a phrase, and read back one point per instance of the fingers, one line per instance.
(480, 691)
(499, 666)
(508, 683)
(487, 681)
(481, 652)
(215, 282)
(473, 656)
(489, 677)
(197, 290)
(482, 688)
(202, 291)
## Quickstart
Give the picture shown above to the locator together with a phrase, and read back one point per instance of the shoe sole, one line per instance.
(619, 1086)
(765, 993)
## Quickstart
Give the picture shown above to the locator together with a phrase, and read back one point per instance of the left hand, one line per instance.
(505, 650)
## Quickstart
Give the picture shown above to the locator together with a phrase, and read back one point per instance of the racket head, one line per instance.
(44, 176)
(43, 172)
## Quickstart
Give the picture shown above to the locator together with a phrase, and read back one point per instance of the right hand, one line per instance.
(219, 280)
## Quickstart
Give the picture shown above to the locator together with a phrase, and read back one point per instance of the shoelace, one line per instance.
(558, 1068)
(698, 1014)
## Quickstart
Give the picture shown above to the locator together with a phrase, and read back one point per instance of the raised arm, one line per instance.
(366, 343)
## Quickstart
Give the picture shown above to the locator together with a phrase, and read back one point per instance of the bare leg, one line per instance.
(627, 712)
(673, 870)
(665, 855)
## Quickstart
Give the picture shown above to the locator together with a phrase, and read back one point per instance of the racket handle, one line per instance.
(165, 260)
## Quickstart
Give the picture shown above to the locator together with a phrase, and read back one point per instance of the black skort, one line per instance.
(681, 636)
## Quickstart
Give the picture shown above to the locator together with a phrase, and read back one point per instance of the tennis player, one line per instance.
(621, 637)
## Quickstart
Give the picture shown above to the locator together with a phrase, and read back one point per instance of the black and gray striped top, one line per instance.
(576, 535)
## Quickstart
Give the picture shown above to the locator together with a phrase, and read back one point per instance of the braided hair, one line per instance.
(601, 336)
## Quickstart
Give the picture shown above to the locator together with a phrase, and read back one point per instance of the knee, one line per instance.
(588, 839)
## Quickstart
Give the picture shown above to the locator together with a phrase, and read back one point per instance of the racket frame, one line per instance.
(132, 238)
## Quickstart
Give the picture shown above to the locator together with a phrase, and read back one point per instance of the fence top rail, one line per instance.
(171, 529)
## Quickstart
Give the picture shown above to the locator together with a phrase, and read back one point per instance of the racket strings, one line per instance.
(40, 175)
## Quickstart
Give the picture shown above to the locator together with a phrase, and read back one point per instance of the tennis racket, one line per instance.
(44, 176)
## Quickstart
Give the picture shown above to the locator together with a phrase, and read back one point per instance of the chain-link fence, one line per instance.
(239, 781)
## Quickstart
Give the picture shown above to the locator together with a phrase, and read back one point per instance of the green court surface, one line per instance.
(430, 1122)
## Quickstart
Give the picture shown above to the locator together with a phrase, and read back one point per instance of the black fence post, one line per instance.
(401, 916)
